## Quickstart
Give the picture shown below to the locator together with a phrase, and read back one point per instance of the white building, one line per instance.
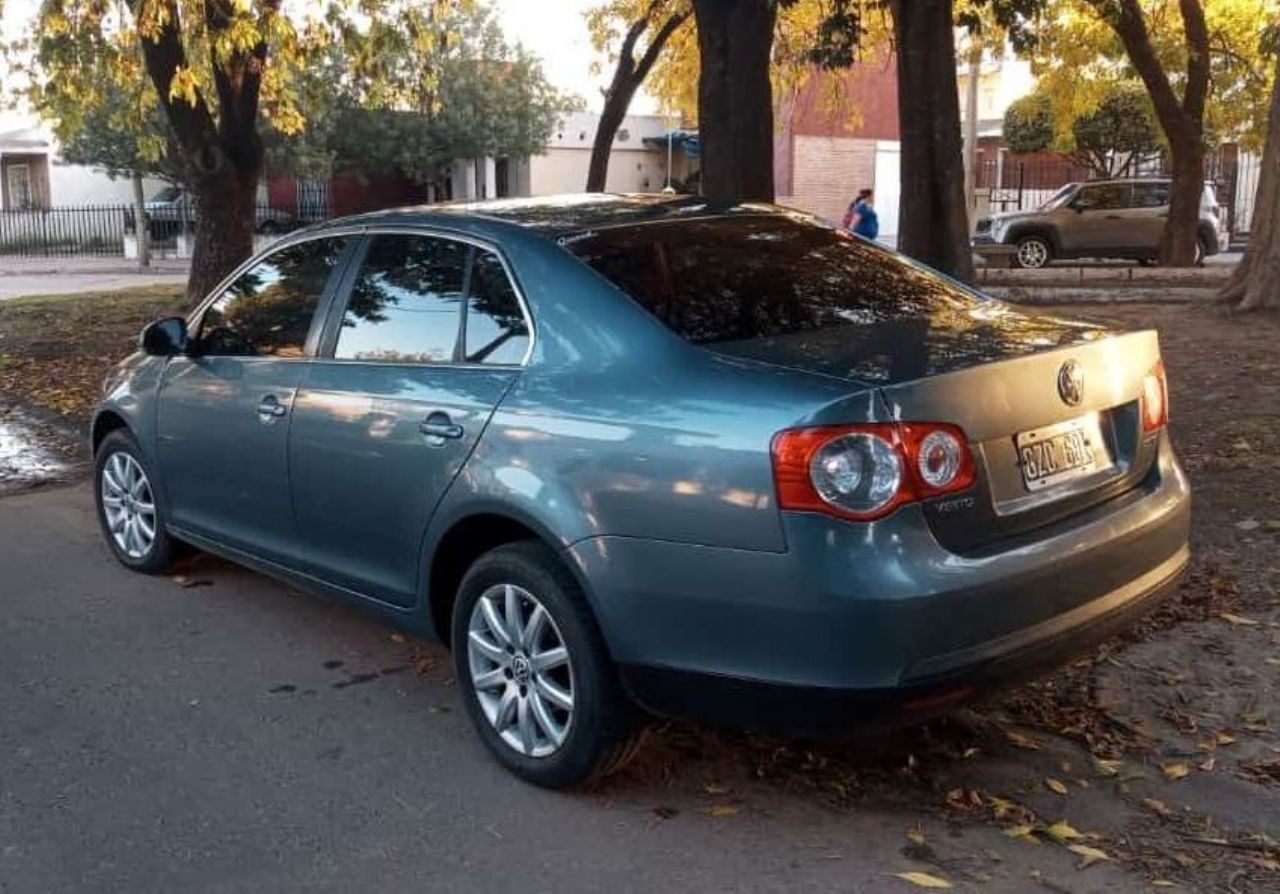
(33, 177)
(561, 167)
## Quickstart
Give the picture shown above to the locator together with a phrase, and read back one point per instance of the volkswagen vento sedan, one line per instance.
(632, 453)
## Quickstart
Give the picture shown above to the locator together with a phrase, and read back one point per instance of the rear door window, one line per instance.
(1150, 195)
(406, 302)
(268, 310)
(1106, 196)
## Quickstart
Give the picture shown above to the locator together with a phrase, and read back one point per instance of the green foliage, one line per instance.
(484, 97)
(1028, 124)
(1121, 132)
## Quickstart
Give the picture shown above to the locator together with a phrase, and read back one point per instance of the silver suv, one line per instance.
(1100, 219)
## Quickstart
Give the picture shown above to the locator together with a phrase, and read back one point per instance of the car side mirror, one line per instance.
(1080, 206)
(164, 338)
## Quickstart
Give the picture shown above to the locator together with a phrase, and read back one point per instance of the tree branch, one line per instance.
(193, 125)
(1127, 20)
(1197, 36)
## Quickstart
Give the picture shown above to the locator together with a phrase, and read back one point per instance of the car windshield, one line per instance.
(1059, 198)
(168, 194)
(719, 280)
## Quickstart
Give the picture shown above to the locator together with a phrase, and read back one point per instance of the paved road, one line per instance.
(238, 736)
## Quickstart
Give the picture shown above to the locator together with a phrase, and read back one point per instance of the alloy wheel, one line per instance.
(521, 670)
(128, 505)
(1033, 253)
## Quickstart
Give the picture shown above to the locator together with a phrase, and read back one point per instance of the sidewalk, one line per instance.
(62, 276)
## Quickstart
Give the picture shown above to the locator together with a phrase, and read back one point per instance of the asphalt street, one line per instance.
(238, 736)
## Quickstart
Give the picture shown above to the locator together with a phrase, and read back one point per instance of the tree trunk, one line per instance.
(224, 226)
(1182, 229)
(627, 78)
(1256, 282)
(735, 98)
(933, 225)
(141, 226)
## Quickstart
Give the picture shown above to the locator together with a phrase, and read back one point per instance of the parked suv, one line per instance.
(1100, 219)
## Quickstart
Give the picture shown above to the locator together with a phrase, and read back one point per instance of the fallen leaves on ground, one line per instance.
(1174, 771)
(1091, 854)
(1056, 786)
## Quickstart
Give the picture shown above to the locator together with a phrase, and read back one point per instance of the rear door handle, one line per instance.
(271, 408)
(438, 427)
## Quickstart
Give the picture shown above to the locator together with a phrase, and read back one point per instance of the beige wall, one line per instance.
(565, 170)
(828, 172)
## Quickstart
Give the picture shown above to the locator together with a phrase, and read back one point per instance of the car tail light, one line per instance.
(866, 471)
(1155, 399)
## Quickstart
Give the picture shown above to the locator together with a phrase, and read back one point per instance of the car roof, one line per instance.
(561, 215)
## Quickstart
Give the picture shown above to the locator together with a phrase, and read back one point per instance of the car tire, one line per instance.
(1202, 251)
(1033, 252)
(128, 506)
(515, 701)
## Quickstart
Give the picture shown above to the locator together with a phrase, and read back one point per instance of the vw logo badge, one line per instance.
(1071, 383)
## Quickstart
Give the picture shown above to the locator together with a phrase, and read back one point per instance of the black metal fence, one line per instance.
(104, 230)
(62, 232)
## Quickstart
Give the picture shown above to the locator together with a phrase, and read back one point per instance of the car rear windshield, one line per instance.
(732, 279)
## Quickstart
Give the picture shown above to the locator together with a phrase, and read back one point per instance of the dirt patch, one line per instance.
(55, 350)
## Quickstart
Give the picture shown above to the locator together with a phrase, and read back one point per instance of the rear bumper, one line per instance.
(874, 617)
(928, 689)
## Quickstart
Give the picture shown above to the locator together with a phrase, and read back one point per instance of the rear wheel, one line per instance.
(1202, 251)
(534, 673)
(1033, 252)
(130, 513)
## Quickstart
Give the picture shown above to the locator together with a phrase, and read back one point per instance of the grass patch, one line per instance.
(56, 349)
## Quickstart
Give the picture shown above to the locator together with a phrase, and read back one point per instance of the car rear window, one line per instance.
(732, 279)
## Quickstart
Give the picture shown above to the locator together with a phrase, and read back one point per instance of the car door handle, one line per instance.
(1115, 217)
(438, 427)
(271, 408)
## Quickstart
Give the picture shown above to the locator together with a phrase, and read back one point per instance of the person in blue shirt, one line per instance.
(861, 217)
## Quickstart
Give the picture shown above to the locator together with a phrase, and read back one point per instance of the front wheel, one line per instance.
(533, 670)
(1033, 252)
(130, 513)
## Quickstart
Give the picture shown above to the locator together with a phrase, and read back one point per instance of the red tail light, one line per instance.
(866, 471)
(1155, 399)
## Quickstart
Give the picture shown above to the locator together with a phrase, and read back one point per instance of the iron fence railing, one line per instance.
(104, 230)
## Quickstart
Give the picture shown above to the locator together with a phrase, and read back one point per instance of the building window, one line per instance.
(21, 195)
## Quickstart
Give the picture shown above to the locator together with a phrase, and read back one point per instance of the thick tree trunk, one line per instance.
(1256, 282)
(627, 78)
(1181, 230)
(224, 226)
(933, 225)
(735, 98)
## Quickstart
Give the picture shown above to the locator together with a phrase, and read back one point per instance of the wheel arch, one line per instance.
(1021, 231)
(104, 423)
(467, 537)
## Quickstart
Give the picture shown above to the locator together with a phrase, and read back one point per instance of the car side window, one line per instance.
(496, 330)
(1105, 196)
(267, 311)
(1150, 195)
(406, 301)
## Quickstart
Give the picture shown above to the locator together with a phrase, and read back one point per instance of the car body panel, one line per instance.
(225, 465)
(860, 605)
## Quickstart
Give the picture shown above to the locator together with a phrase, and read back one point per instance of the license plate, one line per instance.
(1060, 452)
